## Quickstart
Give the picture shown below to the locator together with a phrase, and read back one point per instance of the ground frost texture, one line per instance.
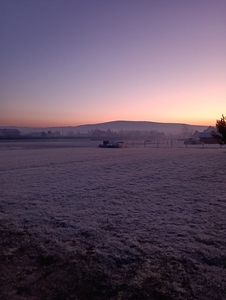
(92, 223)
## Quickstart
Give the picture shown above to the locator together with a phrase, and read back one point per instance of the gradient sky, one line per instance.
(73, 62)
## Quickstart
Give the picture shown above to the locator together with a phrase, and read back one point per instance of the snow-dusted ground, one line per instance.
(151, 221)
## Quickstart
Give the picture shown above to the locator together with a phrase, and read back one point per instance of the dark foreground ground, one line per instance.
(86, 223)
(38, 269)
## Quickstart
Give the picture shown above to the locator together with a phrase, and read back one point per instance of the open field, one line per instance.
(88, 223)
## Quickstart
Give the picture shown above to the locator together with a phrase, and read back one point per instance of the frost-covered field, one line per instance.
(91, 223)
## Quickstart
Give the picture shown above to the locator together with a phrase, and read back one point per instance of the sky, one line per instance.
(73, 62)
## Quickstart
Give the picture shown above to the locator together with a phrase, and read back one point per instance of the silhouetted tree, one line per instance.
(43, 134)
(220, 135)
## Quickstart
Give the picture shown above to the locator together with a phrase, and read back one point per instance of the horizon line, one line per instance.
(99, 123)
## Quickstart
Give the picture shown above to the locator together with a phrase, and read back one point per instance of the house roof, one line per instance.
(205, 134)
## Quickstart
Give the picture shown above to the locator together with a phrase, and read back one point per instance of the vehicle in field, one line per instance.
(110, 144)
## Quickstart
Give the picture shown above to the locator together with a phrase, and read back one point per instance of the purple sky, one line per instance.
(75, 62)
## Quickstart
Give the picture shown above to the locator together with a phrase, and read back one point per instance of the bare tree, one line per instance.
(185, 132)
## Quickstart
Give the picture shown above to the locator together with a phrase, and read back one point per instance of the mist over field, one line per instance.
(117, 126)
(89, 223)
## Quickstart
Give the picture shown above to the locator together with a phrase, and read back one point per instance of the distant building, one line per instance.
(207, 138)
(210, 129)
(192, 141)
(196, 134)
(9, 133)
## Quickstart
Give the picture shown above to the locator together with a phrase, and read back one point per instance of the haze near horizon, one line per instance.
(84, 62)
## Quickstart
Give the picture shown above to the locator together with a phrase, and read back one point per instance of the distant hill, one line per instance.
(167, 128)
